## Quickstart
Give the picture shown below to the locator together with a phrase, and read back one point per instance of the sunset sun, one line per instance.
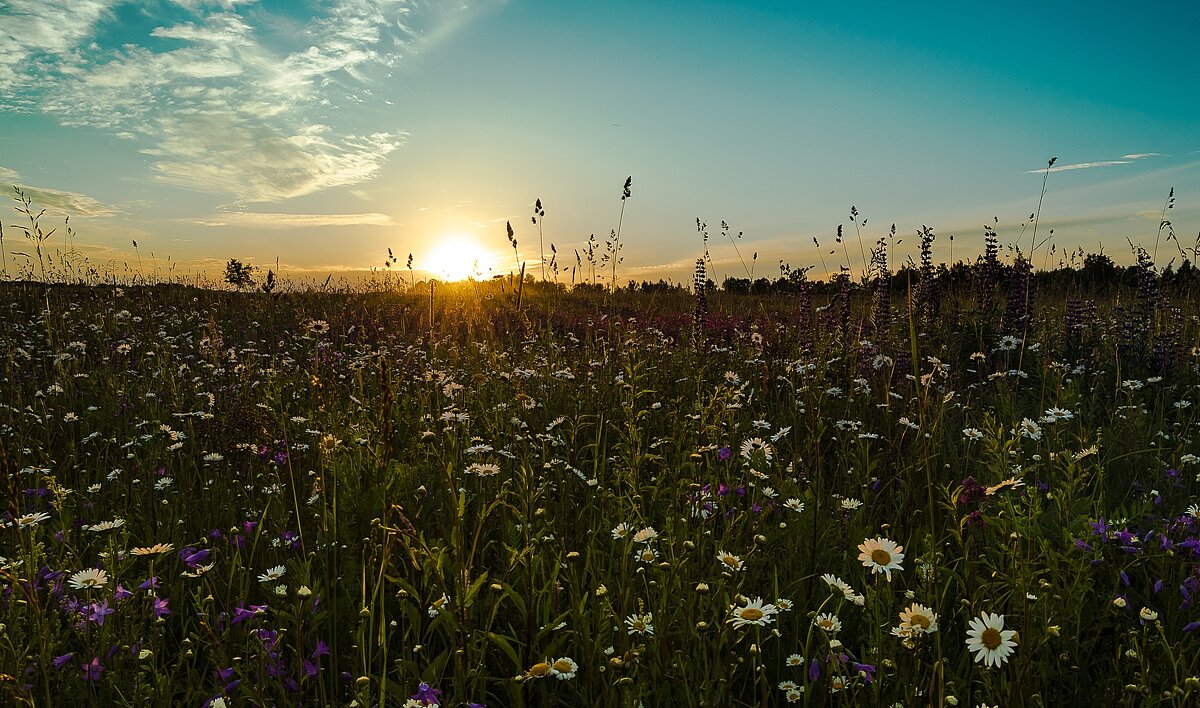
(457, 258)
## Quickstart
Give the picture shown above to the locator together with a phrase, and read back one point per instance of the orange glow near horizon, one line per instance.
(457, 257)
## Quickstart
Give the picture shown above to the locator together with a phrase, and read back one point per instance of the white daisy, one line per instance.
(881, 555)
(754, 612)
(646, 535)
(88, 578)
(828, 622)
(483, 469)
(990, 641)
(757, 445)
(641, 624)
(33, 519)
(918, 619)
(272, 574)
(564, 669)
(730, 562)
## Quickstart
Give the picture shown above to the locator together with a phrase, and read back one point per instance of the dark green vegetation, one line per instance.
(364, 492)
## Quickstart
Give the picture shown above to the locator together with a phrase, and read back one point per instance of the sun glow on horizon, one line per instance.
(458, 257)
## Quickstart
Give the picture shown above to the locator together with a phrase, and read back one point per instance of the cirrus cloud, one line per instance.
(217, 97)
(1125, 160)
(261, 220)
(55, 200)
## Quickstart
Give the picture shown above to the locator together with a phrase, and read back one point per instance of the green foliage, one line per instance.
(240, 275)
(453, 492)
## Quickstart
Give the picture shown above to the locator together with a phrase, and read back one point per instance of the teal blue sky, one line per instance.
(320, 134)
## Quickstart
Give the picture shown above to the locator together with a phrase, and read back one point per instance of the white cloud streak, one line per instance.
(259, 220)
(1080, 166)
(53, 200)
(219, 102)
(34, 31)
(1125, 160)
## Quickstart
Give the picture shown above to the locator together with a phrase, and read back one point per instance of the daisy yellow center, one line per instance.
(752, 614)
(647, 555)
(563, 666)
(881, 557)
(730, 561)
(990, 638)
(539, 670)
(919, 621)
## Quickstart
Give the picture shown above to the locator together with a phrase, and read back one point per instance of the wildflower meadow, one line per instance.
(932, 486)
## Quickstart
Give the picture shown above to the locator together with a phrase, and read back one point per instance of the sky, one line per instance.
(310, 137)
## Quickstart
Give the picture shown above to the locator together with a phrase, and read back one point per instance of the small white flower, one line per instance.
(88, 578)
(272, 574)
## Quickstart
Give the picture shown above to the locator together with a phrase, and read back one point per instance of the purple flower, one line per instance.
(1189, 627)
(321, 650)
(151, 582)
(194, 557)
(97, 611)
(814, 670)
(61, 661)
(121, 593)
(426, 694)
(92, 670)
(1124, 579)
(868, 670)
(225, 677)
(242, 613)
(160, 607)
(724, 453)
(311, 668)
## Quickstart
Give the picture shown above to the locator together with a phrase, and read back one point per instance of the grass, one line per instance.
(376, 498)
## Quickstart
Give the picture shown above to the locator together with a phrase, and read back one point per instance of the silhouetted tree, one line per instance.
(239, 275)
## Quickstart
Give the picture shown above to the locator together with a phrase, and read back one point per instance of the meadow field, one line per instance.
(948, 491)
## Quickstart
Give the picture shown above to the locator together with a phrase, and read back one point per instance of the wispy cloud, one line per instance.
(1125, 160)
(37, 31)
(258, 220)
(1080, 166)
(220, 99)
(54, 200)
